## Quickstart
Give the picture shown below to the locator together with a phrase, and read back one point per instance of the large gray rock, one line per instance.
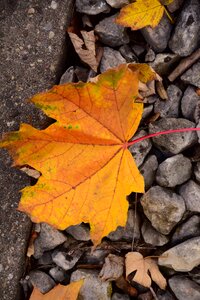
(185, 38)
(141, 149)
(49, 238)
(183, 257)
(192, 76)
(187, 230)
(189, 103)
(42, 281)
(148, 170)
(190, 191)
(184, 288)
(158, 37)
(163, 208)
(174, 170)
(33, 53)
(110, 59)
(173, 143)
(117, 3)
(152, 236)
(93, 287)
(170, 107)
(110, 33)
(93, 7)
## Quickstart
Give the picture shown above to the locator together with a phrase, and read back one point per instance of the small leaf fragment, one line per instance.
(113, 268)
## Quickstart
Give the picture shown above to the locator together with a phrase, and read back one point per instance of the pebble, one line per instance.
(80, 232)
(68, 76)
(173, 171)
(117, 296)
(158, 37)
(187, 230)
(110, 33)
(128, 54)
(57, 274)
(185, 38)
(182, 257)
(173, 143)
(110, 59)
(150, 55)
(184, 288)
(197, 171)
(138, 50)
(189, 103)
(147, 111)
(93, 287)
(49, 238)
(170, 107)
(126, 233)
(164, 63)
(141, 149)
(93, 7)
(152, 236)
(65, 261)
(148, 170)
(174, 5)
(163, 208)
(164, 295)
(192, 75)
(43, 282)
(117, 3)
(190, 192)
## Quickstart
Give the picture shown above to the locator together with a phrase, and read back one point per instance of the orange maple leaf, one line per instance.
(87, 169)
(60, 292)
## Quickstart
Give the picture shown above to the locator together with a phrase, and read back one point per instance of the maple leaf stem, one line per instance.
(160, 133)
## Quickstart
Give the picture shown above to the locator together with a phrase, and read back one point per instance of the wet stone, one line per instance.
(192, 76)
(152, 236)
(184, 288)
(183, 257)
(190, 191)
(110, 59)
(187, 230)
(141, 149)
(148, 170)
(42, 281)
(170, 107)
(93, 7)
(173, 171)
(110, 33)
(176, 142)
(189, 103)
(163, 208)
(158, 37)
(185, 38)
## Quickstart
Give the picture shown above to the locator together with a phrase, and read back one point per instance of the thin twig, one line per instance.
(153, 293)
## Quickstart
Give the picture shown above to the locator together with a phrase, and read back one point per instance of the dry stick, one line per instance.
(153, 293)
(184, 65)
(134, 223)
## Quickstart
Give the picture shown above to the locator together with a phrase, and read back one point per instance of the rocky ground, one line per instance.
(166, 219)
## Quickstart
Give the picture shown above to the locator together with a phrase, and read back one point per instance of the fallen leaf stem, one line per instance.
(160, 133)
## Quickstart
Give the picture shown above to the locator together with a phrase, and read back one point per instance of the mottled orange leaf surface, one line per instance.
(60, 292)
(142, 13)
(86, 168)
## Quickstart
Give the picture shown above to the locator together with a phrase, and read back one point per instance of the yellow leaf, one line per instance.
(141, 13)
(143, 266)
(60, 292)
(87, 169)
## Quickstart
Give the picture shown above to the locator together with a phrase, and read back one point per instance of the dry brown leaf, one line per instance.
(87, 55)
(125, 286)
(161, 90)
(143, 266)
(113, 268)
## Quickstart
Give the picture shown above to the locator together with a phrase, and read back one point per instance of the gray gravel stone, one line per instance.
(158, 37)
(183, 257)
(57, 274)
(164, 63)
(184, 288)
(173, 143)
(42, 281)
(117, 296)
(147, 111)
(148, 170)
(170, 107)
(152, 236)
(175, 5)
(141, 149)
(117, 3)
(150, 55)
(185, 38)
(187, 230)
(110, 33)
(92, 7)
(66, 261)
(110, 59)
(190, 191)
(189, 103)
(192, 76)
(197, 171)
(126, 233)
(80, 232)
(128, 53)
(174, 170)
(49, 238)
(68, 76)
(163, 208)
(93, 287)
(164, 295)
